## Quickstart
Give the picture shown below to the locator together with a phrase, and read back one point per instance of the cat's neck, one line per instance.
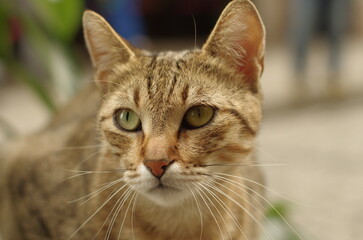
(182, 220)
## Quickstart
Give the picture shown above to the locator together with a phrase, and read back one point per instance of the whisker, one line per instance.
(199, 210)
(120, 204)
(99, 171)
(95, 193)
(85, 172)
(241, 187)
(195, 32)
(88, 219)
(81, 147)
(244, 199)
(264, 199)
(111, 82)
(112, 94)
(265, 153)
(258, 184)
(104, 222)
(219, 213)
(211, 212)
(242, 165)
(244, 209)
(87, 158)
(113, 208)
(228, 210)
(133, 216)
(127, 210)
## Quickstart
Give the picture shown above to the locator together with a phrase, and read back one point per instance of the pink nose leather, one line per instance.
(157, 167)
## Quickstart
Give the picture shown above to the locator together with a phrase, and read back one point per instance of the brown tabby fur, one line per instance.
(197, 201)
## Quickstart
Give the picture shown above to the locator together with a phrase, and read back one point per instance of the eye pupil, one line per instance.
(199, 113)
(126, 119)
(198, 116)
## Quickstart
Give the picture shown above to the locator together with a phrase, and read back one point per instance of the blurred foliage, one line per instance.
(46, 29)
(60, 18)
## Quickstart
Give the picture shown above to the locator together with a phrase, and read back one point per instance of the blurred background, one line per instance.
(311, 142)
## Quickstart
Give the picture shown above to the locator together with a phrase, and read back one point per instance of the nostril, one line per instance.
(157, 167)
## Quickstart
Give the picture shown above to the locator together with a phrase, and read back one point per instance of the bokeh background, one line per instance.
(311, 141)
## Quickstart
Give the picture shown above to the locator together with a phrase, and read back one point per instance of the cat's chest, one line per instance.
(179, 222)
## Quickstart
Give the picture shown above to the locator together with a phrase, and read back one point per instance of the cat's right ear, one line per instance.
(239, 39)
(104, 45)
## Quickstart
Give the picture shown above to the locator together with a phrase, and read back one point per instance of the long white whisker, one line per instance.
(244, 165)
(265, 153)
(195, 33)
(228, 210)
(242, 189)
(219, 213)
(88, 219)
(210, 210)
(99, 171)
(127, 210)
(258, 184)
(95, 193)
(124, 198)
(112, 210)
(81, 147)
(87, 158)
(264, 199)
(199, 210)
(243, 198)
(85, 172)
(245, 210)
(133, 216)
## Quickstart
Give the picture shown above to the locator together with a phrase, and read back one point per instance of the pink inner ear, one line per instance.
(253, 45)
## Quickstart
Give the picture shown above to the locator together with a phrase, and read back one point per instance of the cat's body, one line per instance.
(174, 175)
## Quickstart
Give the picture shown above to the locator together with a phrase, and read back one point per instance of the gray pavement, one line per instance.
(320, 148)
(319, 143)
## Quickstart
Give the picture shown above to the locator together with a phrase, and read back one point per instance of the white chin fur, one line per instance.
(169, 193)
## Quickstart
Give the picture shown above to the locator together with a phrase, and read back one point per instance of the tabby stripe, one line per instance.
(151, 67)
(149, 78)
(185, 93)
(161, 72)
(179, 63)
(173, 83)
(243, 121)
(137, 97)
(103, 118)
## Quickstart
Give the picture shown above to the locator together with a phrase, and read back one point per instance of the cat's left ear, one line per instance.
(104, 45)
(239, 39)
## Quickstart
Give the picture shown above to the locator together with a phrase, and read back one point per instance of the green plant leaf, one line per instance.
(60, 18)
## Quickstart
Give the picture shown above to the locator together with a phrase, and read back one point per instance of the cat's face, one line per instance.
(170, 120)
(159, 91)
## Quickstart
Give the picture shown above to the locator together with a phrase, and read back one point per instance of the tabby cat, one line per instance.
(161, 147)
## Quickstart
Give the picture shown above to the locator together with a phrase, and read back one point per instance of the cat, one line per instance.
(160, 147)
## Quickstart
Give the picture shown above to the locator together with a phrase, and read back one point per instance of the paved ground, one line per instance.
(320, 148)
(320, 144)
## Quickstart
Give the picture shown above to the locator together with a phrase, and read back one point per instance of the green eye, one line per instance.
(127, 119)
(198, 116)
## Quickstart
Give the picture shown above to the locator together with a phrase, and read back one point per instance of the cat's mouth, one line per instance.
(163, 187)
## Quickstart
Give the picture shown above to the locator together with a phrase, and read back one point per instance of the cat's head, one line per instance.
(167, 118)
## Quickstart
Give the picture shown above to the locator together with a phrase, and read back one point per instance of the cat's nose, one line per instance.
(157, 167)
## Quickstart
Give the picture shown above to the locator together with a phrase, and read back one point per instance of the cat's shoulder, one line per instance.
(72, 127)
